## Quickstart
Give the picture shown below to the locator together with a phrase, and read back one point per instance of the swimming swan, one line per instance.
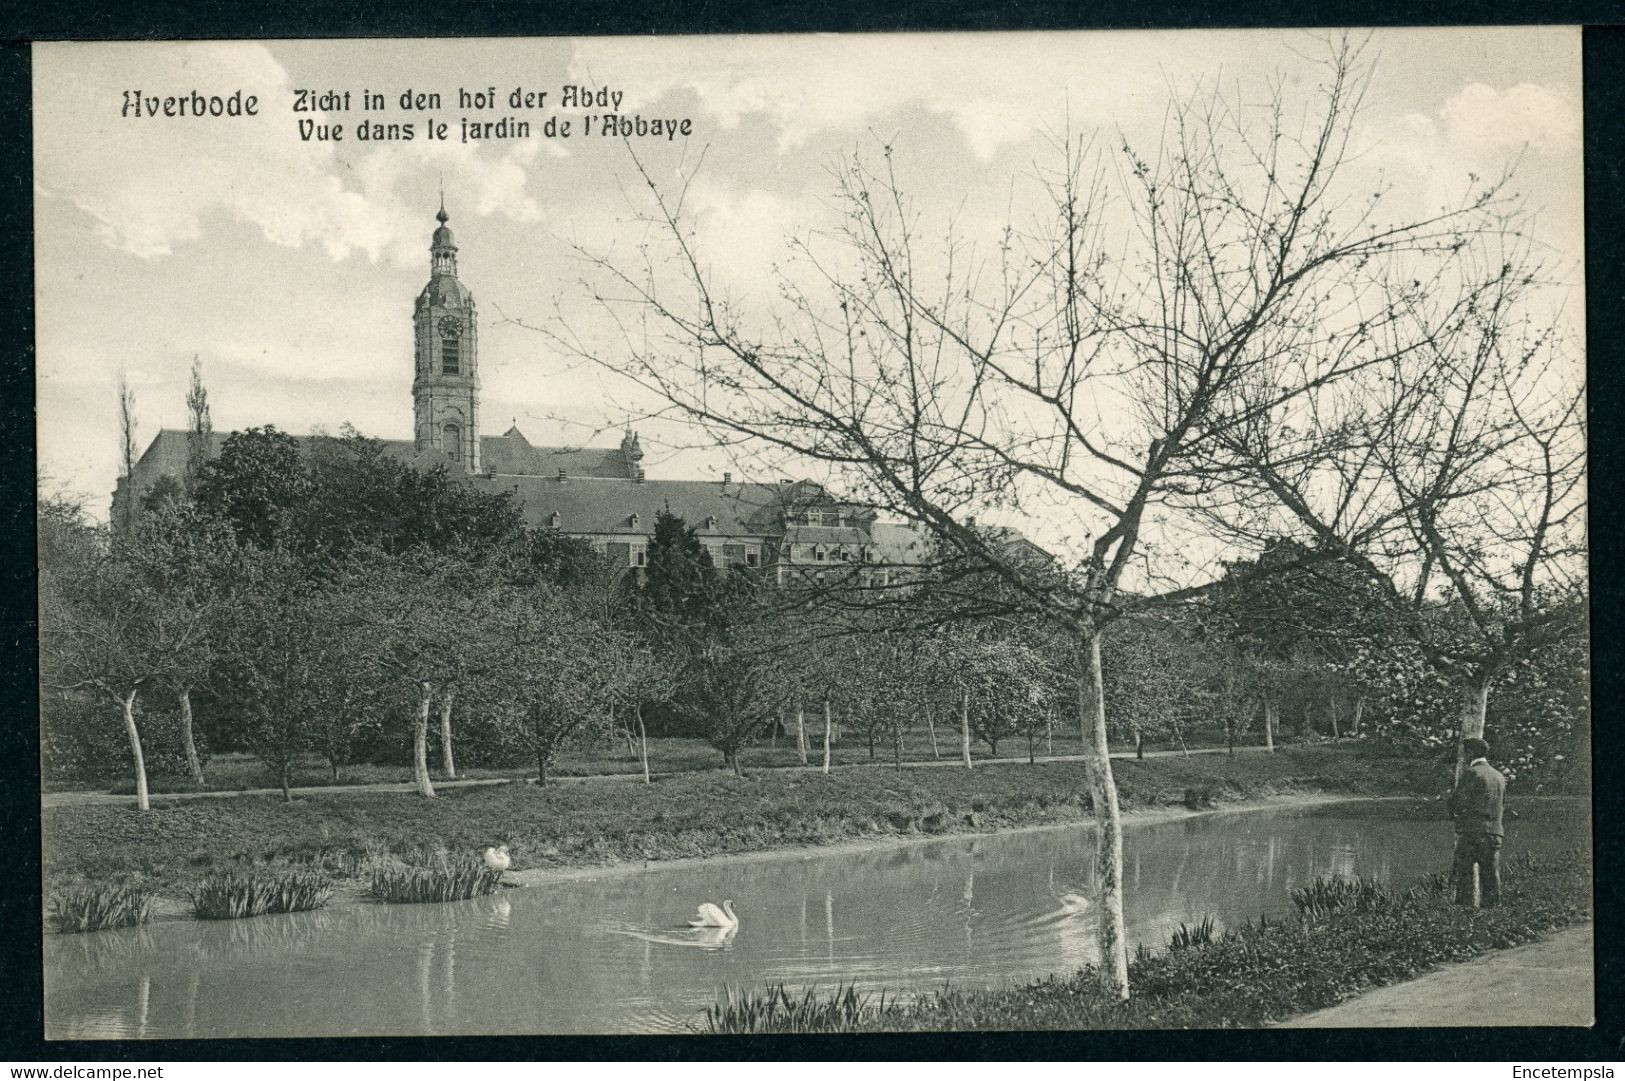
(709, 915)
(1074, 902)
(497, 858)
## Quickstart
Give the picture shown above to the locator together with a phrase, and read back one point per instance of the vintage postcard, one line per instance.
(813, 533)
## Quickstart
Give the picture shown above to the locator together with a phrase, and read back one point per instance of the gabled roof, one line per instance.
(512, 454)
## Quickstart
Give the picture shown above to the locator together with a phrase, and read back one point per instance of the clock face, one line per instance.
(450, 327)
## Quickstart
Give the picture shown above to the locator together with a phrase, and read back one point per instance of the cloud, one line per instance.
(153, 183)
(1483, 119)
(997, 89)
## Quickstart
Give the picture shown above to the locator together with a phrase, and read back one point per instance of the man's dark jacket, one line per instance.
(1475, 803)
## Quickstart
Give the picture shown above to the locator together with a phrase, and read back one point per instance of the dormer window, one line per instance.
(633, 521)
(820, 553)
(710, 521)
(553, 520)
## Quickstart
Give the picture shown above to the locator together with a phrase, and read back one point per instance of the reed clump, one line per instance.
(236, 895)
(775, 1009)
(439, 878)
(98, 907)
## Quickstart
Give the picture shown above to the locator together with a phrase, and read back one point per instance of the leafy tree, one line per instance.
(278, 656)
(257, 484)
(107, 626)
(561, 663)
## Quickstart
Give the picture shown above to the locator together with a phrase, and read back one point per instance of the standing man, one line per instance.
(1475, 807)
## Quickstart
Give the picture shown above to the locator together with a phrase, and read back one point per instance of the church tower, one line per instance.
(446, 386)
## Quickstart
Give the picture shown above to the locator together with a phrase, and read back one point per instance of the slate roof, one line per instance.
(825, 534)
(510, 453)
(593, 505)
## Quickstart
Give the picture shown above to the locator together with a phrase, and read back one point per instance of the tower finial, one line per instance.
(442, 217)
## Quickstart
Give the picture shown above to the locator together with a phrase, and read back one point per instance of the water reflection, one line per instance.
(612, 953)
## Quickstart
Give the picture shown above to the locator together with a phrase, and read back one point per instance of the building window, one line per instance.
(753, 556)
(818, 553)
(451, 359)
(639, 555)
(452, 437)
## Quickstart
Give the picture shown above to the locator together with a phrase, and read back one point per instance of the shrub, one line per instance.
(233, 896)
(96, 908)
(1186, 937)
(1324, 896)
(441, 879)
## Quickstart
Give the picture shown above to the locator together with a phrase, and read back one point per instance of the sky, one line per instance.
(288, 268)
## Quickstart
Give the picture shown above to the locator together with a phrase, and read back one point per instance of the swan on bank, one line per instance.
(497, 858)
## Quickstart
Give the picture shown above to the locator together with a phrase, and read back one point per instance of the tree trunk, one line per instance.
(1049, 734)
(1269, 726)
(643, 745)
(447, 764)
(287, 783)
(194, 765)
(733, 762)
(827, 725)
(1109, 826)
(541, 769)
(1032, 758)
(1475, 700)
(871, 746)
(1139, 743)
(1230, 735)
(420, 741)
(1331, 709)
(964, 726)
(1179, 733)
(897, 749)
(1359, 709)
(773, 735)
(931, 726)
(801, 732)
(127, 704)
(333, 768)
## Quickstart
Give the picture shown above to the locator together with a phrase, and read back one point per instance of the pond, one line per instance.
(611, 953)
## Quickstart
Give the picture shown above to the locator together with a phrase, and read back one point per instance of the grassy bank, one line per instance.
(1244, 978)
(179, 843)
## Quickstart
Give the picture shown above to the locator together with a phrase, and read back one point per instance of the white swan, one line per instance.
(1074, 902)
(709, 915)
(497, 858)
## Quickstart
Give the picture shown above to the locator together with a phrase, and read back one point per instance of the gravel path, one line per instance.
(1550, 982)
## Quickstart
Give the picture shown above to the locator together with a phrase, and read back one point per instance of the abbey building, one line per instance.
(599, 494)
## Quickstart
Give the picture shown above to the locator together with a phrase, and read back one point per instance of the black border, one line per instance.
(20, 974)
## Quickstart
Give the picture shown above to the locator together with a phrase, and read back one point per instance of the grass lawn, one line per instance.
(233, 772)
(694, 814)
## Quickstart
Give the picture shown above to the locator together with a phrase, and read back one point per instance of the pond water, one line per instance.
(612, 954)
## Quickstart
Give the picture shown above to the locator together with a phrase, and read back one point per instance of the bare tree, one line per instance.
(199, 427)
(1082, 369)
(1473, 449)
(129, 507)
